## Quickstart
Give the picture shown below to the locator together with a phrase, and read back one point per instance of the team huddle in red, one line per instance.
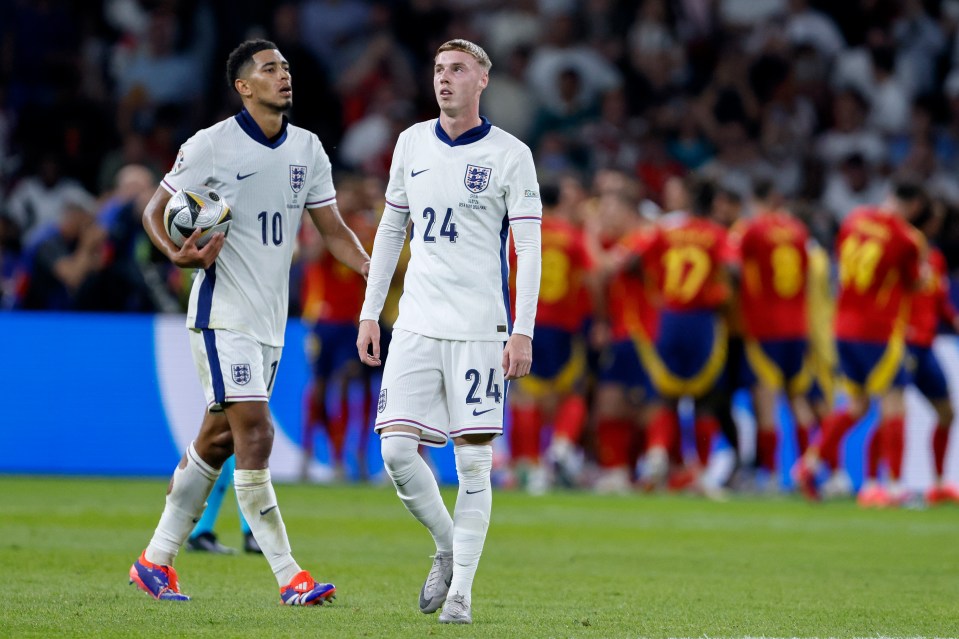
(643, 315)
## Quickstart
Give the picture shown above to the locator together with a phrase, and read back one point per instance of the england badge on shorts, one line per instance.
(297, 177)
(241, 374)
(381, 404)
(477, 178)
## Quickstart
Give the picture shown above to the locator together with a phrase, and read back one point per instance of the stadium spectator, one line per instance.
(66, 262)
(39, 201)
(854, 184)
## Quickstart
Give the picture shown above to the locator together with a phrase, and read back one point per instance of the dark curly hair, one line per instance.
(242, 56)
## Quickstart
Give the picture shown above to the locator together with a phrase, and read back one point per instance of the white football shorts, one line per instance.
(443, 387)
(233, 367)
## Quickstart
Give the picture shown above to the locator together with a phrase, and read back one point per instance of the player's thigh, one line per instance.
(412, 394)
(927, 374)
(233, 367)
(475, 388)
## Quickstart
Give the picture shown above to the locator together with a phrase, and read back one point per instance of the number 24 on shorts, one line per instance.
(492, 389)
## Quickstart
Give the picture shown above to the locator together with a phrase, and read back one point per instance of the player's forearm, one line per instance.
(153, 223)
(346, 247)
(526, 238)
(387, 246)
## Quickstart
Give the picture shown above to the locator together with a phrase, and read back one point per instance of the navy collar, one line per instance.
(475, 134)
(252, 129)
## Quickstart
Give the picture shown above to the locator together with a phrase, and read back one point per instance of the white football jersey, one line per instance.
(267, 184)
(462, 196)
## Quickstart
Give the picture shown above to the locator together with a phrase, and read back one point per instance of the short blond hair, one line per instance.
(466, 46)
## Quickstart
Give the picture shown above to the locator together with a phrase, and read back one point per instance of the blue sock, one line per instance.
(215, 500)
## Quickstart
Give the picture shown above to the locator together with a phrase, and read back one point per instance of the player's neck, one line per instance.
(270, 121)
(457, 125)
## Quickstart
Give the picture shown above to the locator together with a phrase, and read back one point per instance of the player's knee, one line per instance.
(399, 452)
(473, 463)
(946, 414)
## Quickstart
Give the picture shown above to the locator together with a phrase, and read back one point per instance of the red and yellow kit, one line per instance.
(930, 302)
(566, 264)
(685, 258)
(878, 256)
(879, 260)
(774, 267)
(559, 359)
(632, 312)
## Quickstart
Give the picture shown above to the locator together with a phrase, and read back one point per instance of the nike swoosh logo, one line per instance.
(415, 173)
(473, 492)
(266, 510)
(243, 177)
(482, 412)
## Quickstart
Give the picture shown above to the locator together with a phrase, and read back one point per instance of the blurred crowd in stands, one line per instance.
(828, 99)
(826, 103)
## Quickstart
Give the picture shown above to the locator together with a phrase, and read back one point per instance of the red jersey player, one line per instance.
(774, 262)
(879, 260)
(930, 306)
(332, 297)
(622, 312)
(553, 391)
(685, 260)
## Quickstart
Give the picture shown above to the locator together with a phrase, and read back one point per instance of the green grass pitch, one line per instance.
(565, 565)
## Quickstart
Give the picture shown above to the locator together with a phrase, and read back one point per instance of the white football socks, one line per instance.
(257, 500)
(417, 487)
(189, 488)
(471, 516)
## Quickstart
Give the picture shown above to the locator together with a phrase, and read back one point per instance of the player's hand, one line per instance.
(517, 356)
(369, 339)
(189, 256)
(365, 270)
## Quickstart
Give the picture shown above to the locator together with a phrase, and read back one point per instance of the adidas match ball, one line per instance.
(196, 208)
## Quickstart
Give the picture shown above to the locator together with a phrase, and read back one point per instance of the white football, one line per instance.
(196, 208)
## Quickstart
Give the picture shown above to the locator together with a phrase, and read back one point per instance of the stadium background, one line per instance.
(828, 99)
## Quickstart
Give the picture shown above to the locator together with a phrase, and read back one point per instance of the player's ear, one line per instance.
(484, 80)
(242, 87)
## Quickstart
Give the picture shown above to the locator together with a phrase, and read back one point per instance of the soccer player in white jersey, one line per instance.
(269, 171)
(465, 185)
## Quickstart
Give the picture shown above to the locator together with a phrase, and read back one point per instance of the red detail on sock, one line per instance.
(570, 418)
(525, 433)
(802, 439)
(834, 428)
(663, 430)
(874, 452)
(940, 443)
(336, 432)
(705, 428)
(895, 444)
(614, 438)
(767, 441)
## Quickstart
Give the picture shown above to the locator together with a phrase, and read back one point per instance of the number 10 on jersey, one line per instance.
(272, 223)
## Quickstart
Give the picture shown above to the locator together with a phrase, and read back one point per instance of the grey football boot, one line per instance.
(437, 583)
(456, 610)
